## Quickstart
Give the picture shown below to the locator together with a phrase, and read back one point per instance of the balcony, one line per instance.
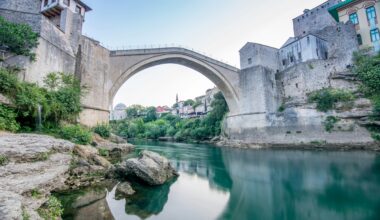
(51, 8)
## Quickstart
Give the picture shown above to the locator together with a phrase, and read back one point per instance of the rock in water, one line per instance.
(151, 167)
(124, 189)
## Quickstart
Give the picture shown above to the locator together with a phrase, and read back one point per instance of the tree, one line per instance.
(134, 111)
(189, 102)
(18, 39)
(150, 114)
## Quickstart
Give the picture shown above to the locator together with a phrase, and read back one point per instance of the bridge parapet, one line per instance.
(168, 50)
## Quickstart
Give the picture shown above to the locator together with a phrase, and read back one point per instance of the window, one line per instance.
(299, 55)
(308, 40)
(360, 40)
(371, 13)
(283, 62)
(354, 18)
(66, 2)
(249, 60)
(46, 2)
(375, 35)
(78, 9)
(291, 59)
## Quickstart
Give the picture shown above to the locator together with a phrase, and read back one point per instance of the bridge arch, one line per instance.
(125, 64)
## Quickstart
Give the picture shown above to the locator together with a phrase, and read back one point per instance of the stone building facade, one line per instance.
(314, 19)
(364, 15)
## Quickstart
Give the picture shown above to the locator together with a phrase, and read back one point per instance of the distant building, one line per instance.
(363, 14)
(119, 112)
(160, 110)
(202, 108)
(301, 49)
(60, 12)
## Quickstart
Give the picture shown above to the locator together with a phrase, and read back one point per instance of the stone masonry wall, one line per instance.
(314, 20)
(93, 71)
(253, 54)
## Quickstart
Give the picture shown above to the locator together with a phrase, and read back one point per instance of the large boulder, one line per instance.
(91, 155)
(115, 144)
(124, 189)
(150, 167)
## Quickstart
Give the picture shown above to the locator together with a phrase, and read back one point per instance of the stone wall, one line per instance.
(94, 74)
(258, 90)
(253, 54)
(296, 82)
(296, 126)
(314, 20)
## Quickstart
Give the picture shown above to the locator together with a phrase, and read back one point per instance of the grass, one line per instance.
(51, 210)
(330, 123)
(25, 214)
(318, 142)
(36, 194)
(3, 160)
(43, 156)
(104, 152)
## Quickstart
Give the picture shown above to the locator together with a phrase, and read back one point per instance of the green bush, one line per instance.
(281, 108)
(327, 98)
(367, 69)
(104, 152)
(8, 81)
(18, 38)
(103, 130)
(35, 193)
(330, 122)
(51, 210)
(59, 100)
(76, 134)
(3, 160)
(8, 119)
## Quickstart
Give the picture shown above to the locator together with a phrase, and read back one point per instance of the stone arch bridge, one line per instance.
(104, 72)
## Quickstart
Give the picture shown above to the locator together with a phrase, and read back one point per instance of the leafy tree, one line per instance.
(189, 102)
(8, 119)
(134, 111)
(367, 69)
(327, 98)
(18, 38)
(103, 130)
(150, 114)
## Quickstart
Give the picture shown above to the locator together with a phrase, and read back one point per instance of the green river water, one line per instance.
(227, 183)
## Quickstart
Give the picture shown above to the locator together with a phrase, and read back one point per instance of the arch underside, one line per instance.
(185, 60)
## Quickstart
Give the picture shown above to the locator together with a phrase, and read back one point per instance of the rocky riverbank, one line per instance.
(32, 166)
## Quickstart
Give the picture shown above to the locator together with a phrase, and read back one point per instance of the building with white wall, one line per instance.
(301, 49)
(119, 112)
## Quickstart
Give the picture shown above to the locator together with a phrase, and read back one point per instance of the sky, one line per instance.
(217, 28)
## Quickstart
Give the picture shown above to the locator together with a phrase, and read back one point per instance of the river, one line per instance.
(241, 184)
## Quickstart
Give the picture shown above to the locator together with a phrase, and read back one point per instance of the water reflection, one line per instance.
(182, 201)
(302, 185)
(225, 183)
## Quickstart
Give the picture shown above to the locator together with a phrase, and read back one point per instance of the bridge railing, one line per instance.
(167, 48)
(157, 47)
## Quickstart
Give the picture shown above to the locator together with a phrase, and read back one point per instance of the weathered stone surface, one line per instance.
(91, 155)
(10, 206)
(120, 146)
(116, 139)
(29, 147)
(150, 167)
(124, 189)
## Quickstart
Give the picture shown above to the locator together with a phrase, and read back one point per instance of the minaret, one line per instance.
(176, 101)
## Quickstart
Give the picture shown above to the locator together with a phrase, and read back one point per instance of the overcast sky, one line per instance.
(218, 28)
